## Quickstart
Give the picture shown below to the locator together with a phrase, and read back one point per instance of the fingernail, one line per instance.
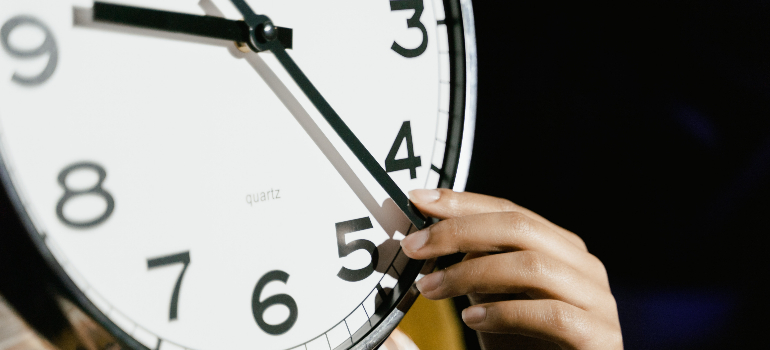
(430, 282)
(474, 314)
(424, 196)
(415, 241)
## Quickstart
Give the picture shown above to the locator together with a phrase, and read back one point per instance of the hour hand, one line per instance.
(174, 22)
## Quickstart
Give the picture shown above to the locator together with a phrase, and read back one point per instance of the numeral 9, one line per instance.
(48, 47)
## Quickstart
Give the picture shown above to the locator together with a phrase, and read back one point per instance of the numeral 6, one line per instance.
(259, 307)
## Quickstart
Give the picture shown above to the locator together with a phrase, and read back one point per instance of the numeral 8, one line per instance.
(97, 190)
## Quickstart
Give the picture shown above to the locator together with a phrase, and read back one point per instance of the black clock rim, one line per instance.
(47, 280)
(448, 174)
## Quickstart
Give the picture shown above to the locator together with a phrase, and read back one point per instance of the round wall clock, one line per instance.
(232, 173)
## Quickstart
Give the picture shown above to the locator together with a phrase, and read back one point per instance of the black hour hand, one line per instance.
(174, 22)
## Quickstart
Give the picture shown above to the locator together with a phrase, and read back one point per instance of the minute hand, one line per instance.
(258, 24)
(347, 135)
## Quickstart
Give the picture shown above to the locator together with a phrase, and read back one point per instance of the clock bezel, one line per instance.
(460, 133)
(462, 111)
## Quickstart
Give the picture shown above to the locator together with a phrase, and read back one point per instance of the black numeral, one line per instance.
(414, 22)
(259, 307)
(48, 47)
(97, 190)
(180, 258)
(351, 226)
(410, 162)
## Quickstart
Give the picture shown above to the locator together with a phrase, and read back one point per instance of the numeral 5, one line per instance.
(351, 226)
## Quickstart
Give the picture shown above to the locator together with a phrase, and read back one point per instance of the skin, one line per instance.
(532, 284)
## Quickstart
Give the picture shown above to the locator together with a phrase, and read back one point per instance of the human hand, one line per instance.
(398, 340)
(532, 284)
(15, 334)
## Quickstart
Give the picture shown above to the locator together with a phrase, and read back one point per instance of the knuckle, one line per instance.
(566, 321)
(598, 267)
(615, 339)
(455, 228)
(450, 200)
(534, 263)
(515, 225)
(505, 205)
(514, 218)
(580, 242)
(448, 235)
(446, 194)
(560, 318)
(610, 305)
(462, 278)
(443, 228)
(603, 336)
(584, 336)
(470, 279)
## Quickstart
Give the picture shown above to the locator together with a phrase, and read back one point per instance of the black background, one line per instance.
(644, 127)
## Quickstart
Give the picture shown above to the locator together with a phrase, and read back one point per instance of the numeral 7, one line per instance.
(180, 258)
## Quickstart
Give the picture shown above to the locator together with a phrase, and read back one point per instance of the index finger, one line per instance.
(444, 203)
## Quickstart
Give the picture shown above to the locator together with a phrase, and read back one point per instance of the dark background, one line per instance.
(644, 127)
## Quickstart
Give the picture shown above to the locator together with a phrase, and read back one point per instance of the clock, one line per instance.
(228, 173)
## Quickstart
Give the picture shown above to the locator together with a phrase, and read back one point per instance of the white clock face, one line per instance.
(193, 194)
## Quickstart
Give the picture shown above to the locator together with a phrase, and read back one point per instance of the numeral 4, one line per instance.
(411, 161)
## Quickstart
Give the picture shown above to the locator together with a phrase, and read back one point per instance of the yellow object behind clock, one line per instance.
(433, 325)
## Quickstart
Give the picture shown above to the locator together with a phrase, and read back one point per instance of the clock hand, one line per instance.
(206, 26)
(259, 25)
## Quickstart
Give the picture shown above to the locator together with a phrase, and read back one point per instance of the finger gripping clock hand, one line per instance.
(531, 283)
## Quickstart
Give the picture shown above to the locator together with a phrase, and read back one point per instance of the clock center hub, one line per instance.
(268, 31)
(262, 31)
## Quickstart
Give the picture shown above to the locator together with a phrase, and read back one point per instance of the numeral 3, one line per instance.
(414, 22)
